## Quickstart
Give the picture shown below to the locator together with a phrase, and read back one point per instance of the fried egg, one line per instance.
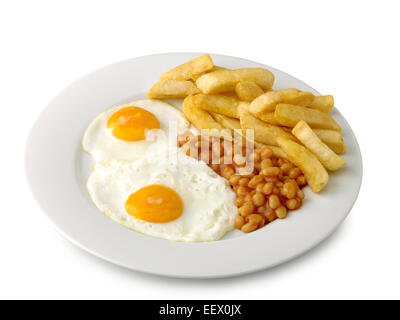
(178, 199)
(129, 131)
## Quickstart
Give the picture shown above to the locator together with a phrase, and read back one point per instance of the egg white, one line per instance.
(100, 143)
(208, 200)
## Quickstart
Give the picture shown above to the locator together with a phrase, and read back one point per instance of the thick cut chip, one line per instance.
(226, 80)
(322, 103)
(263, 132)
(189, 69)
(172, 89)
(288, 115)
(268, 101)
(226, 122)
(332, 139)
(217, 103)
(328, 158)
(215, 68)
(201, 119)
(314, 172)
(248, 90)
(268, 117)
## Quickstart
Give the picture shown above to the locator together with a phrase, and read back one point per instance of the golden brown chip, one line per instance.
(248, 90)
(268, 101)
(269, 117)
(217, 103)
(215, 68)
(332, 139)
(172, 89)
(226, 80)
(226, 122)
(314, 172)
(322, 103)
(288, 115)
(263, 132)
(328, 158)
(189, 69)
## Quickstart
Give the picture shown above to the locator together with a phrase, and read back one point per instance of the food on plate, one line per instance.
(288, 115)
(268, 101)
(130, 130)
(332, 139)
(314, 172)
(263, 132)
(172, 89)
(215, 68)
(226, 80)
(217, 103)
(248, 90)
(246, 151)
(271, 189)
(322, 103)
(308, 138)
(190, 69)
(181, 201)
(268, 117)
(226, 122)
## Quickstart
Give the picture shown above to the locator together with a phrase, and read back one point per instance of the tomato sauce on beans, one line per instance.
(268, 192)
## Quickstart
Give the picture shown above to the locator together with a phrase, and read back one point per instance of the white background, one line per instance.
(346, 48)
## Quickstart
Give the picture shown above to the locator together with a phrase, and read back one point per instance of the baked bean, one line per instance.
(249, 227)
(256, 157)
(239, 160)
(244, 182)
(234, 179)
(257, 166)
(266, 153)
(271, 171)
(246, 209)
(215, 167)
(276, 191)
(274, 201)
(266, 163)
(258, 199)
(281, 212)
(289, 190)
(228, 172)
(271, 179)
(255, 218)
(268, 188)
(294, 173)
(242, 191)
(279, 184)
(271, 215)
(255, 181)
(291, 204)
(260, 187)
(239, 222)
(286, 167)
(301, 181)
(239, 202)
(300, 194)
(261, 210)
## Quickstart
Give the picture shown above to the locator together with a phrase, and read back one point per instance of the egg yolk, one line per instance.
(155, 203)
(130, 123)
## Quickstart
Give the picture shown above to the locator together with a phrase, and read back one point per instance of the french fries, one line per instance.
(226, 122)
(226, 80)
(263, 132)
(247, 90)
(322, 103)
(288, 115)
(217, 103)
(332, 139)
(201, 119)
(215, 68)
(172, 89)
(269, 117)
(328, 158)
(315, 173)
(189, 69)
(268, 101)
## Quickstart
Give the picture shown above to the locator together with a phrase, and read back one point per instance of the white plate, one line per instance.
(57, 170)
